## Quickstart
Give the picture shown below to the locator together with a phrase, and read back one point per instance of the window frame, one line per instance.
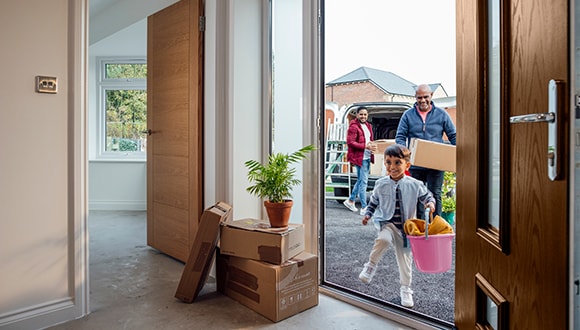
(106, 84)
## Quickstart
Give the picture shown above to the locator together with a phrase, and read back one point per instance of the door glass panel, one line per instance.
(491, 306)
(491, 313)
(494, 80)
(379, 51)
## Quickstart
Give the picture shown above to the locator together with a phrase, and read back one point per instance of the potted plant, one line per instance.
(273, 181)
(448, 197)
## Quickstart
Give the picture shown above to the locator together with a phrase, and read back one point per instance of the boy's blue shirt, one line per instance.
(382, 201)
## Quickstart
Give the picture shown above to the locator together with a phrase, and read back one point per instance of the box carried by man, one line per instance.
(435, 155)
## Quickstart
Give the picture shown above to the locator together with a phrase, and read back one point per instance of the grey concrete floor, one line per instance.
(132, 286)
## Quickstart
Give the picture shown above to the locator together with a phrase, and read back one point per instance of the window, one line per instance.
(122, 108)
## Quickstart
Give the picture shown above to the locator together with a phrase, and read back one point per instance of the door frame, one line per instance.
(471, 161)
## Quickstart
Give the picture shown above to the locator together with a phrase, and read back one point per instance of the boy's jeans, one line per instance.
(360, 187)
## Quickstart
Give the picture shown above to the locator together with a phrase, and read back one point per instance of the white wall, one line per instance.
(245, 109)
(42, 190)
(287, 87)
(115, 185)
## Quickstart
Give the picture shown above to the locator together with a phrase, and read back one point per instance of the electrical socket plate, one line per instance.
(45, 84)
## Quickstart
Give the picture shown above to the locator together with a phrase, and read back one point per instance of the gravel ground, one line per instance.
(348, 244)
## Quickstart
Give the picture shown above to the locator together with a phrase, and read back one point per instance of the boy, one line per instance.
(394, 200)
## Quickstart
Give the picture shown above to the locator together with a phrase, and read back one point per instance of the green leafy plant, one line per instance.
(274, 180)
(448, 193)
(448, 204)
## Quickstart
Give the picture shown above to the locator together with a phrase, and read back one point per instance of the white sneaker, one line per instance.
(363, 211)
(407, 296)
(368, 272)
(350, 206)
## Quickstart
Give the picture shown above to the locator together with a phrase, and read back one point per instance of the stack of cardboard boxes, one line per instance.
(266, 269)
(263, 268)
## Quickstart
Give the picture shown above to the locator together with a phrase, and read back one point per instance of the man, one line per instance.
(428, 122)
(360, 150)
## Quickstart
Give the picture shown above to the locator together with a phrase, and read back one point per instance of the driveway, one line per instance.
(347, 247)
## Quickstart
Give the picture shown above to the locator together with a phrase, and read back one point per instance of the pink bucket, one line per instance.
(434, 254)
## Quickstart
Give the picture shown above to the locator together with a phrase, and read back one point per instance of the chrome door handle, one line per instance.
(534, 118)
(555, 100)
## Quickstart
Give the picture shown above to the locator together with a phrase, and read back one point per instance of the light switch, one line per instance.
(46, 84)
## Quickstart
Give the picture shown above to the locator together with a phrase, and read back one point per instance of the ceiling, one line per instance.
(97, 6)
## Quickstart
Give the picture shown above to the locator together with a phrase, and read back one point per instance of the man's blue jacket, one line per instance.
(437, 122)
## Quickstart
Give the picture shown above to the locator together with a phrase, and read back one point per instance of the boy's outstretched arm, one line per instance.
(365, 220)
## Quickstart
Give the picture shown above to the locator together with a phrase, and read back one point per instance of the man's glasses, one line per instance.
(422, 97)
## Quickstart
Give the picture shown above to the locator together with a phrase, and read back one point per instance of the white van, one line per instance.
(384, 118)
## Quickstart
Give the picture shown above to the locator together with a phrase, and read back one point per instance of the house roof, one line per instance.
(387, 81)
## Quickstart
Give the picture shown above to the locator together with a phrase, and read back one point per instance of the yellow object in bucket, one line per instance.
(416, 227)
(432, 254)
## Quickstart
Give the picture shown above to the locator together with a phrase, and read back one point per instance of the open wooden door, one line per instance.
(174, 118)
(512, 233)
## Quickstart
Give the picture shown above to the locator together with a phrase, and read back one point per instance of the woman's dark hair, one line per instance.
(361, 108)
(399, 151)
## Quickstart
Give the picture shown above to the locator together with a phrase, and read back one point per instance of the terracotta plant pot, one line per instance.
(279, 213)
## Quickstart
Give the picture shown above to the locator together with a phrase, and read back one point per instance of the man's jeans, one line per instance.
(434, 180)
(360, 187)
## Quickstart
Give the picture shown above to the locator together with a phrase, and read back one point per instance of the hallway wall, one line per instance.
(41, 141)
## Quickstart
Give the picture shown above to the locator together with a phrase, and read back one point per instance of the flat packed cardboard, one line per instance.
(199, 261)
(275, 291)
(435, 155)
(254, 239)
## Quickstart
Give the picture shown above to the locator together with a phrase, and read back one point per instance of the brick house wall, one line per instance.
(360, 92)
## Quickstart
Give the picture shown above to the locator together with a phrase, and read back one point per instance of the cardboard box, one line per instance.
(254, 239)
(377, 167)
(199, 261)
(429, 154)
(275, 291)
(382, 145)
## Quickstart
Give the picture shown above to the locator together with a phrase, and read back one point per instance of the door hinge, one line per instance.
(201, 23)
(577, 106)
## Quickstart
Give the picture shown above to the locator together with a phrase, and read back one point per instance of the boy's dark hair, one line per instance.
(399, 151)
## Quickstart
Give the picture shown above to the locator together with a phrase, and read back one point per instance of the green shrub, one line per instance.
(127, 145)
(448, 193)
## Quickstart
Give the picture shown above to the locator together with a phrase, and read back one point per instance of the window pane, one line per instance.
(125, 70)
(126, 119)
